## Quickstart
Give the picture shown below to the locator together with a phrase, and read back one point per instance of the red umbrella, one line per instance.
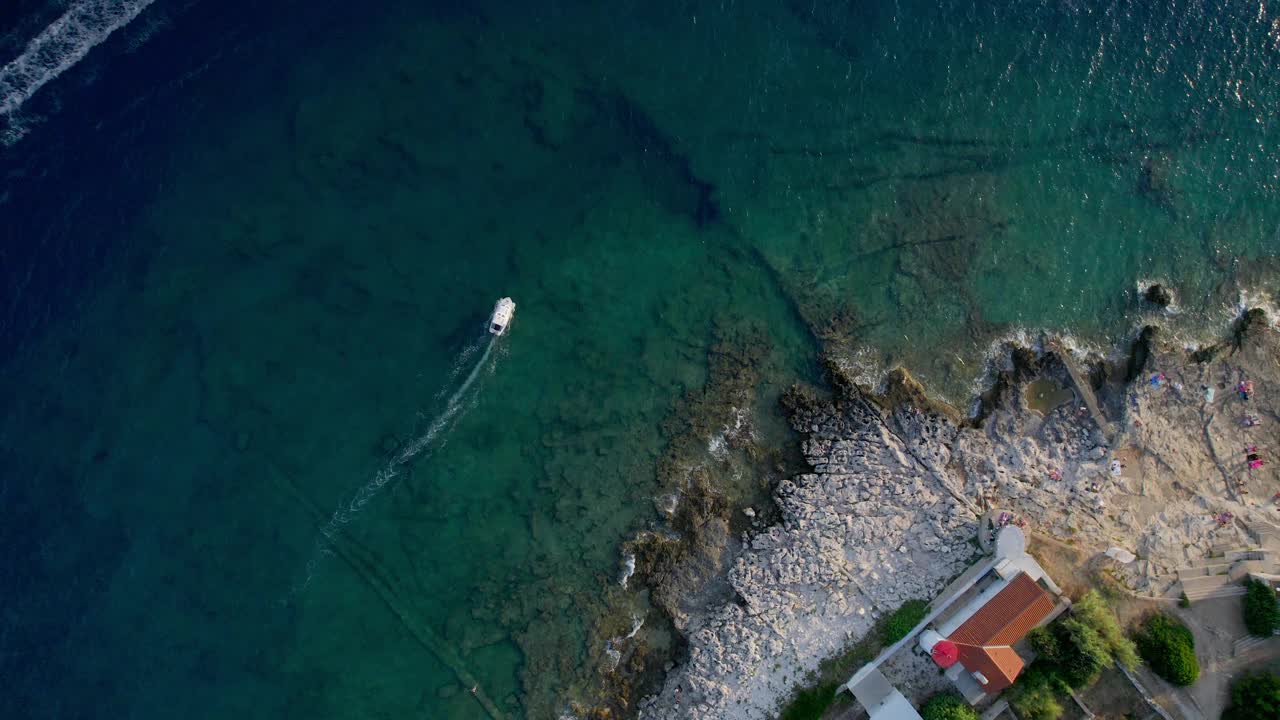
(945, 653)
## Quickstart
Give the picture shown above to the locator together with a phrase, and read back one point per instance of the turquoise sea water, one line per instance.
(295, 237)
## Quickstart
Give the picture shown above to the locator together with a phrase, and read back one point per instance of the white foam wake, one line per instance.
(411, 450)
(347, 510)
(61, 45)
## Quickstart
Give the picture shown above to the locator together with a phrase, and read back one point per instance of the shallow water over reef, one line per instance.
(237, 293)
(1044, 395)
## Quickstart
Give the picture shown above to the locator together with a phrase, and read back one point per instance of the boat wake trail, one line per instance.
(411, 450)
(460, 364)
(61, 45)
(420, 443)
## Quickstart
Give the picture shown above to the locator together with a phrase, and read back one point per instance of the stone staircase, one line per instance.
(1267, 535)
(1248, 644)
(1220, 576)
(1210, 586)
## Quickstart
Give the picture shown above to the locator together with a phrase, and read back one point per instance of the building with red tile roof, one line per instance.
(979, 629)
(985, 640)
(971, 629)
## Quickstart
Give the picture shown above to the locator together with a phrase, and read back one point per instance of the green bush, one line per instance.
(1075, 651)
(1078, 647)
(903, 620)
(1036, 694)
(947, 706)
(1261, 610)
(1071, 652)
(1045, 643)
(810, 703)
(1169, 648)
(1255, 697)
(1084, 652)
(1093, 611)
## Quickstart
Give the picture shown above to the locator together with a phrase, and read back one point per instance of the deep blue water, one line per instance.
(246, 250)
(105, 139)
(106, 136)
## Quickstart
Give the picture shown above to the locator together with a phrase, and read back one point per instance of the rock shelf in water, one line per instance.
(890, 509)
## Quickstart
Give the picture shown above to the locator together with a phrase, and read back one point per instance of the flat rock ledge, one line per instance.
(891, 508)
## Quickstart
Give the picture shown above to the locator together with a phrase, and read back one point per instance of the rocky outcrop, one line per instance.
(700, 494)
(890, 508)
(1158, 295)
(713, 483)
(872, 525)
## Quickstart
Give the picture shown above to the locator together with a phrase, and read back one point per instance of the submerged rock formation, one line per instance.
(1158, 295)
(714, 480)
(890, 509)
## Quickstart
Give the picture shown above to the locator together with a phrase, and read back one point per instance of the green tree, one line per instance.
(1093, 611)
(1255, 697)
(1261, 610)
(1169, 648)
(1045, 643)
(1084, 652)
(1036, 694)
(947, 706)
(1071, 652)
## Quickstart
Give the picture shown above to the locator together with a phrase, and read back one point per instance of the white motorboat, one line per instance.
(502, 313)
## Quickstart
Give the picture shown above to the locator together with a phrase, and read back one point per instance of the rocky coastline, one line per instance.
(1139, 453)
